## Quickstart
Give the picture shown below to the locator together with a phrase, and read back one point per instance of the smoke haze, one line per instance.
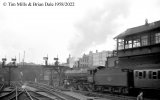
(97, 25)
(52, 31)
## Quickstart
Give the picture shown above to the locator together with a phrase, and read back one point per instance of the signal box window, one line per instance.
(157, 37)
(136, 43)
(152, 39)
(128, 44)
(120, 44)
(144, 40)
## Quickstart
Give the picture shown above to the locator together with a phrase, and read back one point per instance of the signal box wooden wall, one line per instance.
(139, 45)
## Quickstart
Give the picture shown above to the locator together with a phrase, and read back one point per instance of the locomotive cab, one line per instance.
(91, 73)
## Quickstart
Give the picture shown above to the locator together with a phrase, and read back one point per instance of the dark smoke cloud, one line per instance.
(98, 24)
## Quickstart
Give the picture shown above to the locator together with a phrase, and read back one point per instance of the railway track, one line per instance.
(111, 96)
(90, 94)
(24, 94)
(45, 92)
(105, 95)
(8, 95)
(19, 93)
(93, 94)
(53, 91)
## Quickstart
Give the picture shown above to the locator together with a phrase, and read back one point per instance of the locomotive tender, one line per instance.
(135, 67)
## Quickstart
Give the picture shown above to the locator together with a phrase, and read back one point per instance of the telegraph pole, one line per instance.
(9, 66)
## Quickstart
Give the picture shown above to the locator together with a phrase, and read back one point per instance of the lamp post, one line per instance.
(9, 66)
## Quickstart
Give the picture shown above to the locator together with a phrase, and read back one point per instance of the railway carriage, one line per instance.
(147, 78)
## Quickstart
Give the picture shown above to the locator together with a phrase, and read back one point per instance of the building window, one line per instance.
(144, 74)
(120, 44)
(136, 74)
(140, 75)
(154, 75)
(144, 40)
(157, 38)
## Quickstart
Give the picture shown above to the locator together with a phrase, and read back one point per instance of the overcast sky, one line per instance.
(89, 25)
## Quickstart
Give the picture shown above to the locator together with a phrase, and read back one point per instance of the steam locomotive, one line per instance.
(115, 80)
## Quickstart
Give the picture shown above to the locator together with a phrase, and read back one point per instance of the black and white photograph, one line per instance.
(79, 50)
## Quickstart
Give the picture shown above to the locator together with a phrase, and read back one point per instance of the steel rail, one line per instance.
(21, 94)
(7, 94)
(111, 96)
(2, 86)
(17, 94)
(28, 94)
(36, 97)
(32, 95)
(54, 92)
(23, 91)
(15, 97)
(106, 95)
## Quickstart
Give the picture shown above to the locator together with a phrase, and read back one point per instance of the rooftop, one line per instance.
(143, 28)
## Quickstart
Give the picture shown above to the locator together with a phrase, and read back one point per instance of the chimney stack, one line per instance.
(146, 21)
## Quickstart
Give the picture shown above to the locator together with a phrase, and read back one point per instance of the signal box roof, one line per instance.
(139, 29)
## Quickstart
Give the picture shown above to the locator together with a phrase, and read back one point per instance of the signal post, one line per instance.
(54, 67)
(9, 66)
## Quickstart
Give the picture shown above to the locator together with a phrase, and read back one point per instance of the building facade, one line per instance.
(93, 60)
(100, 58)
(84, 61)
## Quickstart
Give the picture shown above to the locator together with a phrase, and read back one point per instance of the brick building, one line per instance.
(92, 60)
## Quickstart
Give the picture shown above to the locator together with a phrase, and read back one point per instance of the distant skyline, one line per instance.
(90, 25)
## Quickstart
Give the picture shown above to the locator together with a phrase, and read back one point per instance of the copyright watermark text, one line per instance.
(38, 4)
